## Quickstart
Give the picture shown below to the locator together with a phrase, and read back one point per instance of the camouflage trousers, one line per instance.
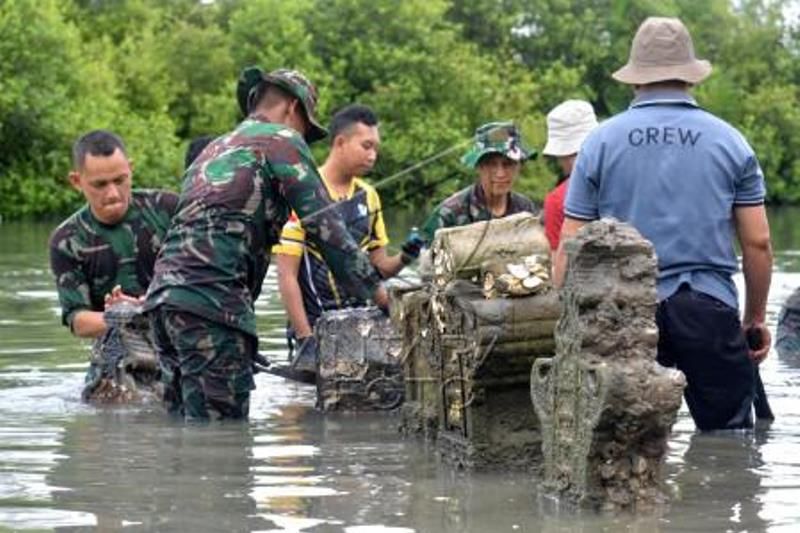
(206, 367)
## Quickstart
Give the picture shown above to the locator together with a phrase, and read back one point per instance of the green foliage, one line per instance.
(160, 73)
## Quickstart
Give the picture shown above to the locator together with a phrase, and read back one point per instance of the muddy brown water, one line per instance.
(66, 466)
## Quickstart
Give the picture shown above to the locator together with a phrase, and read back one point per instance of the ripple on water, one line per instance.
(23, 518)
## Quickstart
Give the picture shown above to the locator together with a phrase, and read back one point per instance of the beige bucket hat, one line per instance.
(568, 124)
(662, 50)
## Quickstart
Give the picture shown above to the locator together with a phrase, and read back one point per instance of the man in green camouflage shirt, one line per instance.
(498, 154)
(236, 197)
(106, 251)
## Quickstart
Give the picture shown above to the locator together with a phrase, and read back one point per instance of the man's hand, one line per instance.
(411, 247)
(116, 296)
(759, 341)
(381, 298)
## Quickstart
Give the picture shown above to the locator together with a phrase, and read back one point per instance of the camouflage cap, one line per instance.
(497, 138)
(292, 81)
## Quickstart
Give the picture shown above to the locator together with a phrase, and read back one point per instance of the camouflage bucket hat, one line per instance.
(292, 81)
(497, 138)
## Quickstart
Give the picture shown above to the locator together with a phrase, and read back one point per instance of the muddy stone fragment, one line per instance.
(605, 405)
(125, 358)
(486, 351)
(460, 252)
(359, 366)
(411, 316)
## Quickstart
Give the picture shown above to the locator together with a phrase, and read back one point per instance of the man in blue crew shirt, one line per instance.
(689, 182)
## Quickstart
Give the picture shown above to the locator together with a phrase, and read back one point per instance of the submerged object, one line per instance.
(605, 405)
(487, 347)
(359, 361)
(125, 367)
(787, 337)
(470, 338)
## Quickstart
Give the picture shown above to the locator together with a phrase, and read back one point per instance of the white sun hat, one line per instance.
(568, 124)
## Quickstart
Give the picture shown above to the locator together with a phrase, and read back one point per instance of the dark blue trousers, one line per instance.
(703, 338)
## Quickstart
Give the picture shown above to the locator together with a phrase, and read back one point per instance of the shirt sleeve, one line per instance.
(378, 237)
(71, 283)
(292, 165)
(750, 188)
(293, 238)
(582, 199)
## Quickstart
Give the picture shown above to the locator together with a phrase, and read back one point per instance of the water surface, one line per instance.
(66, 466)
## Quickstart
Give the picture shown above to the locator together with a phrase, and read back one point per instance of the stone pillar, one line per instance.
(605, 405)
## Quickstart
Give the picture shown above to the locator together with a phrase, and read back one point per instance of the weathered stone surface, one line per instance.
(411, 315)
(125, 359)
(359, 361)
(605, 405)
(459, 252)
(486, 351)
(787, 337)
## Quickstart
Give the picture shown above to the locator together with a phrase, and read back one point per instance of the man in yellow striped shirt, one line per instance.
(306, 284)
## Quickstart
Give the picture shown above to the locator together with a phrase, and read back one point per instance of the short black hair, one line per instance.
(196, 147)
(349, 115)
(96, 142)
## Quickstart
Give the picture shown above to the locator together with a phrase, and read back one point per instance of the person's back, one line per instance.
(214, 261)
(675, 172)
(236, 197)
(690, 184)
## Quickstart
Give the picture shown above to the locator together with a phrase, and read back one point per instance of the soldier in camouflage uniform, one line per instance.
(498, 154)
(236, 197)
(106, 251)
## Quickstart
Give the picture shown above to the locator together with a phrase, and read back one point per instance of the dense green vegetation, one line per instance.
(159, 73)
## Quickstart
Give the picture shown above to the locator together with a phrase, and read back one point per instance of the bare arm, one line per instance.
(387, 265)
(291, 294)
(568, 230)
(88, 324)
(752, 230)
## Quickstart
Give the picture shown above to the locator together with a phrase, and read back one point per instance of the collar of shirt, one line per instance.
(335, 196)
(478, 203)
(664, 96)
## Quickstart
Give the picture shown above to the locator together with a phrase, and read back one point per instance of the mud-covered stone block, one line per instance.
(606, 407)
(487, 349)
(124, 367)
(359, 366)
(411, 315)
